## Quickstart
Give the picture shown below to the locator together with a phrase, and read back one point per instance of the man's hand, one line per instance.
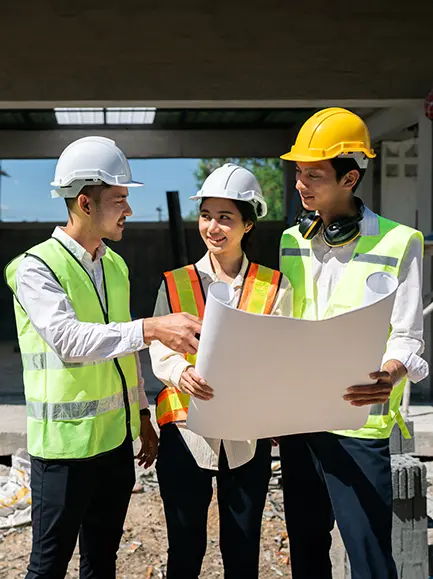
(392, 372)
(191, 383)
(149, 443)
(176, 331)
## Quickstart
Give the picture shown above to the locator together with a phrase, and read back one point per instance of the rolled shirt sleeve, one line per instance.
(53, 317)
(405, 342)
(167, 365)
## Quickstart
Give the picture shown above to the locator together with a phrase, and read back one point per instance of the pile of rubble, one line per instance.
(15, 497)
(142, 553)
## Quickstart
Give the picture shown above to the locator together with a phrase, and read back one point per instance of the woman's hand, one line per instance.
(191, 383)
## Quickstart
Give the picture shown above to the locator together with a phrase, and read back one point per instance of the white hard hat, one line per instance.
(237, 183)
(91, 161)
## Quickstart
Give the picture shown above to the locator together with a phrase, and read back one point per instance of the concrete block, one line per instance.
(409, 477)
(409, 521)
(409, 532)
(400, 445)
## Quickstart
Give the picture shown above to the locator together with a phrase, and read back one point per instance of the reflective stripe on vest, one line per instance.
(184, 291)
(260, 289)
(185, 294)
(172, 406)
(77, 410)
(50, 361)
(372, 253)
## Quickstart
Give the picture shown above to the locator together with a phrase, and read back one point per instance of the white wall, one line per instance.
(399, 172)
(406, 197)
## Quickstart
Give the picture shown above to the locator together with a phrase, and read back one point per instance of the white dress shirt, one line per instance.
(51, 313)
(168, 367)
(406, 340)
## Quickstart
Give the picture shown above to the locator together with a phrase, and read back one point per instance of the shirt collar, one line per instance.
(76, 249)
(204, 268)
(370, 223)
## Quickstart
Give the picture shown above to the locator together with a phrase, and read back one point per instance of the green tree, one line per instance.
(269, 173)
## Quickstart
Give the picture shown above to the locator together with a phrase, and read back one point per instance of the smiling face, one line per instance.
(318, 186)
(221, 226)
(107, 210)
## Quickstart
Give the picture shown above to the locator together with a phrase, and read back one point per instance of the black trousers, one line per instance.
(326, 476)
(85, 498)
(186, 491)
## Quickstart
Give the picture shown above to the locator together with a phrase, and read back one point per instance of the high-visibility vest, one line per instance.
(372, 253)
(185, 294)
(77, 410)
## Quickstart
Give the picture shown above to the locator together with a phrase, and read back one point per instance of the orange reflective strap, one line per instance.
(173, 296)
(171, 406)
(165, 393)
(247, 290)
(197, 289)
(260, 289)
(273, 291)
(184, 291)
(173, 416)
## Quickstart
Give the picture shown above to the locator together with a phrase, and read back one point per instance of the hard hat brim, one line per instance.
(129, 184)
(132, 184)
(69, 192)
(313, 159)
(260, 202)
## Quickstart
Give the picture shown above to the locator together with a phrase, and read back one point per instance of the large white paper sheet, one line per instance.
(275, 375)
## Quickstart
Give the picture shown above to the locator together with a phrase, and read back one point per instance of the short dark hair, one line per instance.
(248, 213)
(344, 166)
(93, 191)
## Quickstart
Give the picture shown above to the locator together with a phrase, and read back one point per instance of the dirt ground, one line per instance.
(142, 553)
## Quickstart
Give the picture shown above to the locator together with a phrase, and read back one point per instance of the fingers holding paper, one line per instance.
(392, 372)
(191, 383)
(378, 393)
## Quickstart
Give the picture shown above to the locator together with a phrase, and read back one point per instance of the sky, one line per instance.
(25, 195)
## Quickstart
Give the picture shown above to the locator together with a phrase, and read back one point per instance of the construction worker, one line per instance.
(231, 201)
(83, 384)
(336, 244)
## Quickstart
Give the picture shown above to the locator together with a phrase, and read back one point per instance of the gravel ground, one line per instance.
(142, 553)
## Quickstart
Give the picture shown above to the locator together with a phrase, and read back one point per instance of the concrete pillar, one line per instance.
(291, 196)
(425, 224)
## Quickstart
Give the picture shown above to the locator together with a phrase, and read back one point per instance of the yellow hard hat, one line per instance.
(331, 133)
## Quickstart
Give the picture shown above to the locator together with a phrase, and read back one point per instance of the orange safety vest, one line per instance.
(185, 294)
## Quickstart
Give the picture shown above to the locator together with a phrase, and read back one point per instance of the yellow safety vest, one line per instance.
(372, 253)
(77, 410)
(185, 294)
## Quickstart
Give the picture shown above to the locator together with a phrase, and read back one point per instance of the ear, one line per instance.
(350, 180)
(84, 203)
(248, 226)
